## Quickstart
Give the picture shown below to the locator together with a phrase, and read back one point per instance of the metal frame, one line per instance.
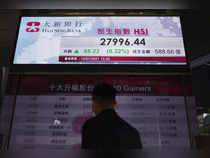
(3, 84)
(203, 60)
(5, 73)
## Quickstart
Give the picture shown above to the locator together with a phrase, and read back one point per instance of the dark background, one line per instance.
(101, 4)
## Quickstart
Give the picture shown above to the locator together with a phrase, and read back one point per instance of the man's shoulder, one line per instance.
(90, 123)
(128, 126)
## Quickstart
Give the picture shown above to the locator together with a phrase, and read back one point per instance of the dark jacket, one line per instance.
(108, 131)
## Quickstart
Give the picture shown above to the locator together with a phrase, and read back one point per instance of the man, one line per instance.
(107, 130)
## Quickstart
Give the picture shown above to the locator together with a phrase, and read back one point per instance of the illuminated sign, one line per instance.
(100, 40)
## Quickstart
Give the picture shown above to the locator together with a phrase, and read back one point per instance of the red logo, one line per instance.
(33, 26)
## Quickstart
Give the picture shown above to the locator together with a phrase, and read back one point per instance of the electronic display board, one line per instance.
(50, 111)
(119, 40)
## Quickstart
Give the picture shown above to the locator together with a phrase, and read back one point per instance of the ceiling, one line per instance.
(100, 4)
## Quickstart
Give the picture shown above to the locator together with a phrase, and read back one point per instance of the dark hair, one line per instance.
(104, 94)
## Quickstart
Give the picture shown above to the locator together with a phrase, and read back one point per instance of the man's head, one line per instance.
(103, 97)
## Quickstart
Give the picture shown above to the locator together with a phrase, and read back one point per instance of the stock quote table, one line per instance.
(50, 112)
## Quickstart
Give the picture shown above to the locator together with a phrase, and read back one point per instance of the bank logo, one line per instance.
(32, 26)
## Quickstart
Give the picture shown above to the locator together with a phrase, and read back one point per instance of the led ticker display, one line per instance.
(100, 40)
(50, 114)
